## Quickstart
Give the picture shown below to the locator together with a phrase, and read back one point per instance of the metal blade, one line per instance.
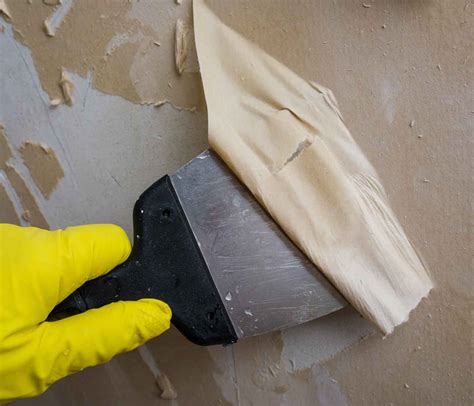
(265, 282)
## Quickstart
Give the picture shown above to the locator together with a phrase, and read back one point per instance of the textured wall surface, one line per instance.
(402, 73)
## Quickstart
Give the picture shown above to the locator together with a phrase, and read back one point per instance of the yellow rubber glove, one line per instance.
(38, 269)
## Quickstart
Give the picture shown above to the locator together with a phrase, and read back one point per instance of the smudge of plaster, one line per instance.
(168, 391)
(136, 70)
(44, 167)
(47, 29)
(8, 213)
(320, 339)
(55, 102)
(182, 31)
(53, 22)
(67, 88)
(32, 213)
(164, 384)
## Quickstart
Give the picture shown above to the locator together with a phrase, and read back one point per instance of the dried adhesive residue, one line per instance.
(168, 391)
(181, 45)
(8, 213)
(44, 167)
(32, 212)
(67, 88)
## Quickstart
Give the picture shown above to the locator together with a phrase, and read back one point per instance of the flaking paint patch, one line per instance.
(45, 168)
(53, 22)
(67, 88)
(138, 71)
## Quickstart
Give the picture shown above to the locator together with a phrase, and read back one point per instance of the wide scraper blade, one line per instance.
(263, 279)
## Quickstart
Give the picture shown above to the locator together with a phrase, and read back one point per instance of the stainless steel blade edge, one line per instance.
(265, 282)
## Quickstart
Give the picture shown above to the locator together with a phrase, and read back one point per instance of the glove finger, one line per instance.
(94, 337)
(86, 252)
(52, 264)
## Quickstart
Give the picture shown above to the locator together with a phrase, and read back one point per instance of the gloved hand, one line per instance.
(38, 269)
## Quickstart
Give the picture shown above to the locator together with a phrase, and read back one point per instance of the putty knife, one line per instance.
(205, 246)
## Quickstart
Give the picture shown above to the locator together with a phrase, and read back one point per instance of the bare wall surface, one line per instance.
(402, 73)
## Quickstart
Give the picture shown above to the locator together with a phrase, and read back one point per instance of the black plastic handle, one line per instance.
(166, 263)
